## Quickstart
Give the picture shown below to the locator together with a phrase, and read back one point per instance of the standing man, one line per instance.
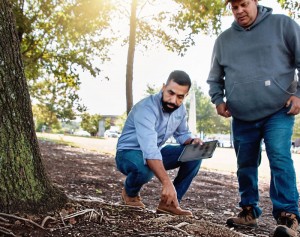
(140, 151)
(253, 66)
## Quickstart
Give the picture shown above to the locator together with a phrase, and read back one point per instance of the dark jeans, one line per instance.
(131, 163)
(276, 130)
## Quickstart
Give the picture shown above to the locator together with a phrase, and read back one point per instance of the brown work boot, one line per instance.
(132, 201)
(244, 218)
(287, 225)
(163, 208)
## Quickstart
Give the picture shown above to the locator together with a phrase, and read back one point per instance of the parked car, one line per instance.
(82, 133)
(224, 140)
(111, 133)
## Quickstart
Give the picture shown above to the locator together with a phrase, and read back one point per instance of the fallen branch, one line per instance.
(101, 216)
(46, 219)
(151, 234)
(3, 219)
(6, 231)
(177, 229)
(182, 224)
(79, 213)
(62, 219)
(22, 219)
(94, 200)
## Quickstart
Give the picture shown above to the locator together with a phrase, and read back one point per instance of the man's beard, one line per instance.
(168, 109)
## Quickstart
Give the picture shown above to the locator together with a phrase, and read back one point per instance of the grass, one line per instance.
(58, 141)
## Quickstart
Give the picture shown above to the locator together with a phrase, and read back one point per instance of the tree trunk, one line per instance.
(24, 185)
(130, 56)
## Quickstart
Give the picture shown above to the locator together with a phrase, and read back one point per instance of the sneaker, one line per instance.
(244, 218)
(132, 201)
(163, 208)
(287, 225)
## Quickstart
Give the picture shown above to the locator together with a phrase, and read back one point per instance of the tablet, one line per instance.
(197, 151)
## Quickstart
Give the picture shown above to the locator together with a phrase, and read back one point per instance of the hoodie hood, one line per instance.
(263, 12)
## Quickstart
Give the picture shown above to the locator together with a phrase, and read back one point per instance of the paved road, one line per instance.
(223, 160)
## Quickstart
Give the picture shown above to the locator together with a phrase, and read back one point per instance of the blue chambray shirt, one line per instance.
(148, 127)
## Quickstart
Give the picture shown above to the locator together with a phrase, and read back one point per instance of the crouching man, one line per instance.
(140, 151)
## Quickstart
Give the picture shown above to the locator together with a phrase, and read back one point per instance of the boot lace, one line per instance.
(246, 213)
(288, 221)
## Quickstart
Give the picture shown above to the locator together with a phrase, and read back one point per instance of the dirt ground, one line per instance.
(93, 184)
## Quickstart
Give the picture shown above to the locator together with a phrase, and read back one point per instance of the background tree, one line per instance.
(293, 6)
(90, 123)
(121, 121)
(44, 119)
(151, 89)
(208, 121)
(167, 28)
(188, 18)
(296, 131)
(59, 38)
(24, 185)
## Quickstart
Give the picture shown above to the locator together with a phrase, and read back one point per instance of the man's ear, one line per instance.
(163, 87)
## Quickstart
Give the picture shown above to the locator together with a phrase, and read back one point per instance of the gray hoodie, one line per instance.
(254, 69)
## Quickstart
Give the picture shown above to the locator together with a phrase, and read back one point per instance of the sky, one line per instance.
(107, 97)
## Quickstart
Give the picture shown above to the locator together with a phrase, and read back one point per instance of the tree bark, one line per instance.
(24, 185)
(130, 56)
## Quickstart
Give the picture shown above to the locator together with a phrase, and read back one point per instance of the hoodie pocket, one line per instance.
(256, 99)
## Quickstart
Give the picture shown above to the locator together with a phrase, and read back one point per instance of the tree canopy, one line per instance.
(293, 6)
(58, 39)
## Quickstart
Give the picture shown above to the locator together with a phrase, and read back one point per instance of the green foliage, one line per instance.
(90, 123)
(208, 121)
(121, 121)
(174, 28)
(151, 90)
(58, 96)
(199, 16)
(296, 131)
(177, 30)
(44, 118)
(293, 6)
(57, 38)
(69, 127)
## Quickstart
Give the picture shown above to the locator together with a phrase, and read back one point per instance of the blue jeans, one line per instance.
(131, 164)
(276, 130)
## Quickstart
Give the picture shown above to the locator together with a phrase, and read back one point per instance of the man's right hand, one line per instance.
(223, 110)
(168, 193)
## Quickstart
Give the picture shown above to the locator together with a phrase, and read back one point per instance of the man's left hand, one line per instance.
(295, 102)
(194, 141)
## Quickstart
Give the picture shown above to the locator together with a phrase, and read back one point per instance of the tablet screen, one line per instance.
(197, 151)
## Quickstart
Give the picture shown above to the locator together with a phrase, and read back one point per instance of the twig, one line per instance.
(62, 219)
(3, 219)
(177, 229)
(151, 234)
(96, 200)
(6, 231)
(46, 219)
(101, 216)
(103, 202)
(182, 224)
(79, 213)
(22, 219)
(135, 208)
